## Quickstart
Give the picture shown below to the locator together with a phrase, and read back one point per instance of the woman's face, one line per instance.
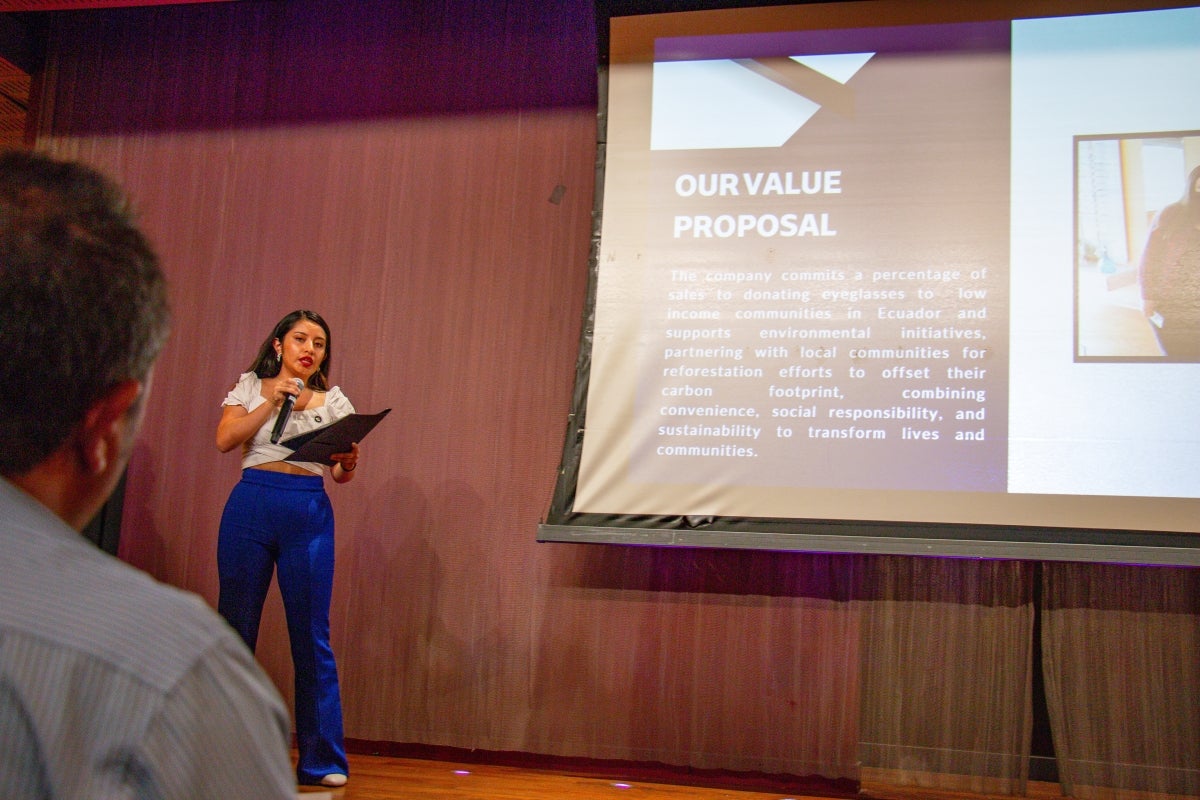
(302, 349)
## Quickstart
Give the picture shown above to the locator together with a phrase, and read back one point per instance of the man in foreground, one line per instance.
(111, 684)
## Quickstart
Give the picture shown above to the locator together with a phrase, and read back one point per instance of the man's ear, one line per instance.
(103, 432)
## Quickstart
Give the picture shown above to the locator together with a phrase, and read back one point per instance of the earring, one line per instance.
(278, 357)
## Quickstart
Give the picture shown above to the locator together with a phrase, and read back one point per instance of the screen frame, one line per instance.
(562, 524)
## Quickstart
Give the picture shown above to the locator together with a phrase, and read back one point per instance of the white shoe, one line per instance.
(334, 780)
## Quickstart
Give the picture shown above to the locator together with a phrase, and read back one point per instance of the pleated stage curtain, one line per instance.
(946, 673)
(1122, 663)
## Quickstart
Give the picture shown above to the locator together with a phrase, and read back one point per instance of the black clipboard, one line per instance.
(318, 445)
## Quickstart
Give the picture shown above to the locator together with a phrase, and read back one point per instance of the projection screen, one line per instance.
(897, 277)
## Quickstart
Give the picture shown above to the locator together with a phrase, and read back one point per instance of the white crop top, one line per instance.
(247, 393)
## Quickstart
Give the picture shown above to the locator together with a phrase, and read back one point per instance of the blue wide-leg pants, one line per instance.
(276, 521)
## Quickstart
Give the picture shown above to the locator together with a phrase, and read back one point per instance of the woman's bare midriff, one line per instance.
(283, 466)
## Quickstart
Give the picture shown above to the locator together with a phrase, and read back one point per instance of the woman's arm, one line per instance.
(238, 425)
(1153, 267)
(347, 463)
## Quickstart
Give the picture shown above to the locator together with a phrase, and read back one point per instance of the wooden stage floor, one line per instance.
(391, 778)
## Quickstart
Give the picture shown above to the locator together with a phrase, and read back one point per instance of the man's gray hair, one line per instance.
(83, 302)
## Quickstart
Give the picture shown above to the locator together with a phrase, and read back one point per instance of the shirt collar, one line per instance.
(22, 510)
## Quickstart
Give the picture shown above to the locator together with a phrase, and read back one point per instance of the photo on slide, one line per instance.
(1137, 247)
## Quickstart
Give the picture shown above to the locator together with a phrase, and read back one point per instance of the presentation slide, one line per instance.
(917, 270)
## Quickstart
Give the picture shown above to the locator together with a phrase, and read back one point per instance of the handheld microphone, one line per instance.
(285, 411)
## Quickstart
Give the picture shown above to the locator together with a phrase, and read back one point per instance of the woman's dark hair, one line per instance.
(1191, 195)
(267, 365)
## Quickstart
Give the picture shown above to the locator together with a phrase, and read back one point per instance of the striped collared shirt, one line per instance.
(113, 685)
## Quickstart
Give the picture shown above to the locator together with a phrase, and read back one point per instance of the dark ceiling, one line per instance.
(19, 41)
(63, 5)
(17, 46)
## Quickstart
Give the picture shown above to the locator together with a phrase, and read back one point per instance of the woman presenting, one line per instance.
(278, 516)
